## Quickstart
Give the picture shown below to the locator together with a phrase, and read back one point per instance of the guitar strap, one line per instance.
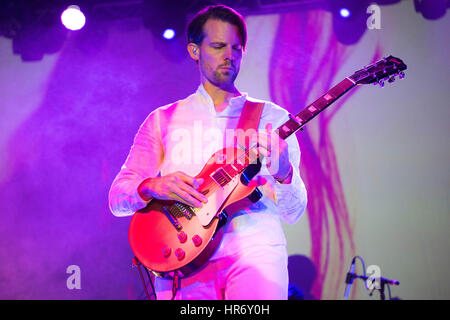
(250, 115)
(249, 120)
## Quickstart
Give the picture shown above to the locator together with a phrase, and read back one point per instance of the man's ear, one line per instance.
(193, 50)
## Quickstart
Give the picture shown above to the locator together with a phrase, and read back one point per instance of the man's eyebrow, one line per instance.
(223, 43)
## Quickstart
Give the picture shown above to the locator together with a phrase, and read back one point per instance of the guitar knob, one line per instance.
(179, 253)
(182, 236)
(166, 252)
(197, 240)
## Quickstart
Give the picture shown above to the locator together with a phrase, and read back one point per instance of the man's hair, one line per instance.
(219, 12)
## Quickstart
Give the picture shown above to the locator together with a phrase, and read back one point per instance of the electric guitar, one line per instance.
(170, 237)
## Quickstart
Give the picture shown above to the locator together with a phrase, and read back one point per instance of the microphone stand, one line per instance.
(382, 282)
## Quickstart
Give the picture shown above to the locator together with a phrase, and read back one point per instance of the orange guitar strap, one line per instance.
(250, 118)
(250, 115)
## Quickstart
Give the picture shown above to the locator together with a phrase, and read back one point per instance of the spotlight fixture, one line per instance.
(349, 19)
(344, 12)
(72, 18)
(169, 34)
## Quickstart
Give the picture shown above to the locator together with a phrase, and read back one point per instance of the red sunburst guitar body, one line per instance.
(167, 235)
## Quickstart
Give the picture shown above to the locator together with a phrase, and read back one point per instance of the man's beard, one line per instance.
(224, 77)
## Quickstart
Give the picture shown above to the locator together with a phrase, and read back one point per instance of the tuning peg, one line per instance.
(401, 75)
(391, 79)
(381, 83)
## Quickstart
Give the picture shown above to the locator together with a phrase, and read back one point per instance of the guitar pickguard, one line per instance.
(215, 202)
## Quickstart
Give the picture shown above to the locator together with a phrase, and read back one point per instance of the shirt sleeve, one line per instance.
(292, 197)
(144, 160)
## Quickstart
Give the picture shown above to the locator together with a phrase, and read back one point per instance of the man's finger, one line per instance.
(188, 179)
(198, 182)
(186, 198)
(191, 191)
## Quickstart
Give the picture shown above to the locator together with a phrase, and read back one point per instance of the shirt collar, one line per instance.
(234, 102)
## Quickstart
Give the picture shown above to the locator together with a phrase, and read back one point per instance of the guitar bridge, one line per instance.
(180, 209)
(172, 219)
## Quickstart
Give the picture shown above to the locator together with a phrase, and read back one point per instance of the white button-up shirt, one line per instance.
(181, 137)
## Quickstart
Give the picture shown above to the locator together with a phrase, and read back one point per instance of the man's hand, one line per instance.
(176, 186)
(275, 149)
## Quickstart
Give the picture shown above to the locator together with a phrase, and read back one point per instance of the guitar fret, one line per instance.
(306, 114)
(312, 108)
(291, 125)
(299, 119)
(328, 96)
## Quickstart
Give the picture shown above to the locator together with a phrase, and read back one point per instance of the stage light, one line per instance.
(168, 34)
(344, 12)
(72, 18)
(166, 19)
(349, 19)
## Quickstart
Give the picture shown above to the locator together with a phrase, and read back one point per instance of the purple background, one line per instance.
(70, 119)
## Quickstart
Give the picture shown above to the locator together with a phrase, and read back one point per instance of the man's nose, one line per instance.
(228, 53)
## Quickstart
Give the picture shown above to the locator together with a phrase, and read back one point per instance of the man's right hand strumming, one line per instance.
(176, 186)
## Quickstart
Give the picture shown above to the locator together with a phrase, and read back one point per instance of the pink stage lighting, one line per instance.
(72, 18)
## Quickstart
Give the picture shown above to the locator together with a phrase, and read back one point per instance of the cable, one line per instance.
(175, 284)
(151, 283)
(143, 281)
(137, 263)
(389, 290)
(364, 269)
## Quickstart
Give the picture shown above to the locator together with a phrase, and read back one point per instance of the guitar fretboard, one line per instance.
(227, 172)
(304, 116)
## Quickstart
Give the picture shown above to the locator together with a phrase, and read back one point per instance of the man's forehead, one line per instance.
(220, 31)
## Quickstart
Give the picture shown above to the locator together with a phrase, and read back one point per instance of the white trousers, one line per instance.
(259, 273)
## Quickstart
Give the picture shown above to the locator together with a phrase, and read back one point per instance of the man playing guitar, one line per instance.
(169, 150)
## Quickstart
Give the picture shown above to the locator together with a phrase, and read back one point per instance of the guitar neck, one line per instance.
(295, 123)
(291, 126)
(303, 117)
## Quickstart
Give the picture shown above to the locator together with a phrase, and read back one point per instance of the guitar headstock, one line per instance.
(380, 71)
